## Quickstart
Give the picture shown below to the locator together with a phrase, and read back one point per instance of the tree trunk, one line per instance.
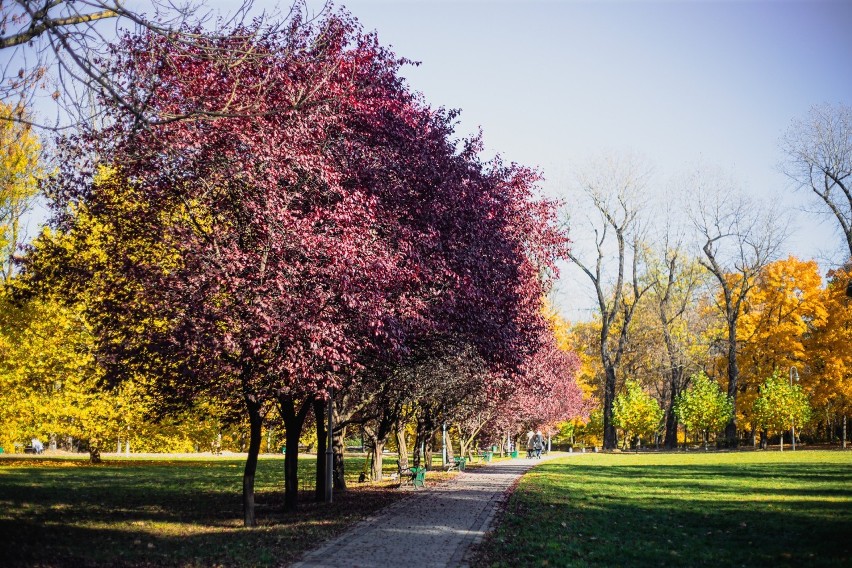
(423, 442)
(94, 451)
(402, 447)
(293, 422)
(731, 439)
(339, 470)
(610, 441)
(255, 425)
(464, 442)
(428, 450)
(675, 368)
(322, 445)
(378, 459)
(844, 431)
(670, 441)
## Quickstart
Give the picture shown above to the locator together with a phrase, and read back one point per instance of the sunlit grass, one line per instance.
(696, 509)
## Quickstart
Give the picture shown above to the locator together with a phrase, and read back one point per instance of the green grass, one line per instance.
(696, 509)
(179, 512)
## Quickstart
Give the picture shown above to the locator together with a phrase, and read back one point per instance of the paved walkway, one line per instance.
(434, 528)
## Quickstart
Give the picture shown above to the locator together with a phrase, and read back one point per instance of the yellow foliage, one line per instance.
(829, 383)
(574, 339)
(49, 379)
(780, 311)
(19, 173)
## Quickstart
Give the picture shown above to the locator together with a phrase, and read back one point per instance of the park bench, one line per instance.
(28, 449)
(457, 464)
(415, 476)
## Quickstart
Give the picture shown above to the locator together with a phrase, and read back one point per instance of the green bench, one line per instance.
(416, 476)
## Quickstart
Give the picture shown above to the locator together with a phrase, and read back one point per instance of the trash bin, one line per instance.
(488, 456)
(283, 449)
(493, 449)
(514, 454)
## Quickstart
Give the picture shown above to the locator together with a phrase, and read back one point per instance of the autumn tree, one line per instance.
(818, 150)
(614, 189)
(549, 393)
(738, 237)
(676, 281)
(582, 339)
(49, 376)
(242, 310)
(296, 250)
(781, 406)
(703, 407)
(19, 171)
(636, 412)
(829, 382)
(781, 311)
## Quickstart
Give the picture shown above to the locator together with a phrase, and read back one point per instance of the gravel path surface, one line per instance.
(434, 528)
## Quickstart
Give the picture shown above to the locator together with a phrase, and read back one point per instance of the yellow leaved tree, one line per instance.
(781, 311)
(829, 383)
(49, 377)
(577, 338)
(19, 174)
(52, 383)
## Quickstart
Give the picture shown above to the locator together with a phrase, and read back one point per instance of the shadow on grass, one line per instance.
(609, 514)
(164, 514)
(761, 479)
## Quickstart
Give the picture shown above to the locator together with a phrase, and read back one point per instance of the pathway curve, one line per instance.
(434, 528)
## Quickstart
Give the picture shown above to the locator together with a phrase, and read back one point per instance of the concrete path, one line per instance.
(434, 528)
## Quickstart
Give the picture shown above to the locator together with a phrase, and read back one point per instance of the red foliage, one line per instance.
(545, 393)
(328, 221)
(314, 220)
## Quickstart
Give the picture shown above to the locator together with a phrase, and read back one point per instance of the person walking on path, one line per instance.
(434, 528)
(538, 444)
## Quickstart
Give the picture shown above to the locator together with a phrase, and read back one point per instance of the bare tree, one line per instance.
(676, 279)
(60, 49)
(819, 159)
(738, 237)
(615, 189)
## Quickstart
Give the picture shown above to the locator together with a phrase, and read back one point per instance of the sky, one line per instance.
(554, 84)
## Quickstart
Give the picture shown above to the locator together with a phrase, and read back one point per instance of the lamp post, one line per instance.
(444, 458)
(793, 372)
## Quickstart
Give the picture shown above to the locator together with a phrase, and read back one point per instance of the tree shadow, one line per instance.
(164, 515)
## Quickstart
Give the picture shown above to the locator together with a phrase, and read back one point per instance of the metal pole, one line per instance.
(444, 444)
(329, 449)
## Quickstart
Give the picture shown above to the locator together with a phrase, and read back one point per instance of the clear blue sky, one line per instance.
(554, 83)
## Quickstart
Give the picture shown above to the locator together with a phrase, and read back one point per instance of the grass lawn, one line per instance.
(167, 512)
(679, 509)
